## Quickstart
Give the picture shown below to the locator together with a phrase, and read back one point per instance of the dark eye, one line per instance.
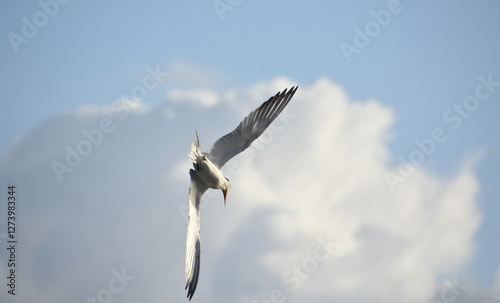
(204, 158)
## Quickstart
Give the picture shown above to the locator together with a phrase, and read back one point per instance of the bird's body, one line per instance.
(207, 172)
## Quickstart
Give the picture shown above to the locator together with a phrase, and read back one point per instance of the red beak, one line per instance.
(225, 196)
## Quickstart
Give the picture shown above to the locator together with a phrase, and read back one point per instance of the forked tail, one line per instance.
(195, 149)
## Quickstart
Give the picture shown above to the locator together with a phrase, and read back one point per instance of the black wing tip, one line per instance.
(290, 90)
(196, 273)
(190, 294)
(287, 93)
(293, 90)
(190, 290)
(277, 103)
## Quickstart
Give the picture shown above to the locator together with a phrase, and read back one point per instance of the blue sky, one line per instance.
(429, 56)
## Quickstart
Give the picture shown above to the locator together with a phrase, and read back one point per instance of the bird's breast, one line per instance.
(209, 173)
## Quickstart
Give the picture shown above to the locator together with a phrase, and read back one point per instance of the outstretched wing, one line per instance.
(196, 191)
(249, 129)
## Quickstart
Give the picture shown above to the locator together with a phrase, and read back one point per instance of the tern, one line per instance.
(207, 172)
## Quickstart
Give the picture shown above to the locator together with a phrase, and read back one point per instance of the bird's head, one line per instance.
(225, 189)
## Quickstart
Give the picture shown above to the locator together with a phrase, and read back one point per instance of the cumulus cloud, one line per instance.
(201, 97)
(310, 216)
(191, 76)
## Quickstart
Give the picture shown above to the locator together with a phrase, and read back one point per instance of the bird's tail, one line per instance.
(195, 149)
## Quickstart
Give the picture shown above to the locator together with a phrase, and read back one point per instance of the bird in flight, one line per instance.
(207, 172)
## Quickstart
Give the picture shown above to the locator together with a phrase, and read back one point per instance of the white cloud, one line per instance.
(135, 105)
(317, 173)
(189, 76)
(201, 97)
